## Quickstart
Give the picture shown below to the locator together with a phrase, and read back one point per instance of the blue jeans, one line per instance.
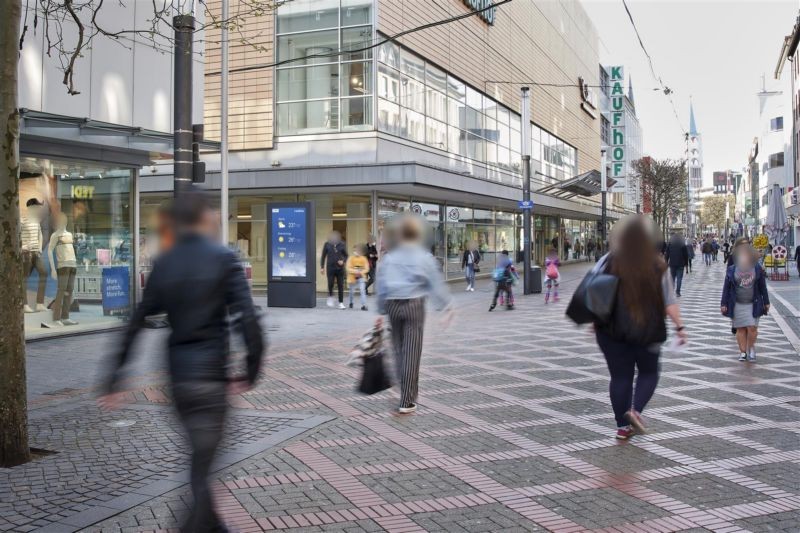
(707, 258)
(470, 275)
(362, 287)
(677, 278)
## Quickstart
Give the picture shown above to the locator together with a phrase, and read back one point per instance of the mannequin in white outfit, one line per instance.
(63, 269)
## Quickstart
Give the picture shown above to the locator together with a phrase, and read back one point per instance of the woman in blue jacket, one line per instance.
(745, 299)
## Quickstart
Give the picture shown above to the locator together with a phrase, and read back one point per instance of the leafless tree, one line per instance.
(663, 187)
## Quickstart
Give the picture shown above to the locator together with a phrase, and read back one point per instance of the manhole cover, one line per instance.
(121, 423)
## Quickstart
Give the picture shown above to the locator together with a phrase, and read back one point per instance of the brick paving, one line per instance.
(514, 431)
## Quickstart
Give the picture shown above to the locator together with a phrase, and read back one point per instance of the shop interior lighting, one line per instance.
(244, 217)
(339, 215)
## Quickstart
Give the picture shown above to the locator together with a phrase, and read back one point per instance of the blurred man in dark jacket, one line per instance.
(677, 256)
(198, 283)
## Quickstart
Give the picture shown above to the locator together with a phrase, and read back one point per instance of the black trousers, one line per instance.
(623, 360)
(407, 318)
(338, 276)
(370, 277)
(201, 409)
(502, 286)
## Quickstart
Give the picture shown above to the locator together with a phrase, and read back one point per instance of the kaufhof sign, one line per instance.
(479, 5)
(617, 120)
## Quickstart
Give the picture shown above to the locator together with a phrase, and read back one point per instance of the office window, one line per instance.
(776, 124)
(321, 91)
(776, 160)
(605, 131)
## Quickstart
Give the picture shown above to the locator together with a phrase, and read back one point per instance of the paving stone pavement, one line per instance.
(514, 431)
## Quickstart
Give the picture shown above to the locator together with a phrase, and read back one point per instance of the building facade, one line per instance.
(80, 158)
(367, 127)
(789, 67)
(694, 158)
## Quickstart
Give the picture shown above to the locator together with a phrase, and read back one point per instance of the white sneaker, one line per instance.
(40, 307)
(408, 409)
(69, 322)
(472, 289)
(342, 306)
(330, 301)
(468, 288)
(27, 309)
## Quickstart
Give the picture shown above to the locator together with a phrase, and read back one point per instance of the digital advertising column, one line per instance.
(290, 270)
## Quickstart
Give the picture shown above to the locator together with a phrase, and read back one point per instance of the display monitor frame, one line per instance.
(273, 210)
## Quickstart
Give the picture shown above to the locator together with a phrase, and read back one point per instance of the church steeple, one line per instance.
(692, 123)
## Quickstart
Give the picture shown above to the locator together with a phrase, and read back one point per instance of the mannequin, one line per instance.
(31, 226)
(63, 270)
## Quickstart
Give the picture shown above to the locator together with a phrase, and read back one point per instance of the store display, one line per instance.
(31, 226)
(63, 268)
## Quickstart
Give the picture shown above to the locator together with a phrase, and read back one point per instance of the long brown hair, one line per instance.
(639, 267)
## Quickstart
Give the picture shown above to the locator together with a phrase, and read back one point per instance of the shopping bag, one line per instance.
(369, 344)
(374, 379)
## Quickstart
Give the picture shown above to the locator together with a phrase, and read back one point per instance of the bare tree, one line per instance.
(70, 28)
(663, 187)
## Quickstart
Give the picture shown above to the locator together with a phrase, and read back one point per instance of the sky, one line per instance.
(714, 51)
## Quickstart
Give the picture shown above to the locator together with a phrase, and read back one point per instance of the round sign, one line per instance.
(779, 252)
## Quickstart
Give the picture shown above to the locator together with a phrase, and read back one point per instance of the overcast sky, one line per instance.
(712, 50)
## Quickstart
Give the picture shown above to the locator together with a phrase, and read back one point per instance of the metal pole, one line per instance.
(526, 187)
(224, 185)
(604, 194)
(182, 118)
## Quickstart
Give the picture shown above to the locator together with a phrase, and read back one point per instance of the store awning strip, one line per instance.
(586, 184)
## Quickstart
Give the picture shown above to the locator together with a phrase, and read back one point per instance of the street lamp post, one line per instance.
(224, 184)
(182, 117)
(603, 194)
(526, 188)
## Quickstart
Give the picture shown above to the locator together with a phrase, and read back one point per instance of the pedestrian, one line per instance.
(567, 247)
(505, 274)
(357, 267)
(690, 254)
(590, 246)
(409, 275)
(333, 259)
(551, 264)
(469, 264)
(677, 259)
(797, 259)
(726, 250)
(745, 299)
(199, 284)
(578, 249)
(372, 257)
(631, 339)
(714, 250)
(707, 250)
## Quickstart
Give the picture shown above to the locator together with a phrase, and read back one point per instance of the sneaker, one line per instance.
(351, 305)
(472, 289)
(40, 307)
(491, 307)
(341, 306)
(330, 301)
(364, 308)
(625, 433)
(637, 423)
(410, 408)
(27, 309)
(510, 307)
(743, 356)
(752, 355)
(467, 289)
(69, 322)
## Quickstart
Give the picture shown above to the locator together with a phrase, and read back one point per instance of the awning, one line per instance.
(76, 129)
(586, 184)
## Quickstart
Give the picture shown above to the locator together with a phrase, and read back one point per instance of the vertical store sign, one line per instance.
(617, 120)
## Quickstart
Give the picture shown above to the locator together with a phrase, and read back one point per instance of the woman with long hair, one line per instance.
(745, 299)
(631, 339)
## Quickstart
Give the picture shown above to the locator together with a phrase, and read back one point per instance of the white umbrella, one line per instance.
(777, 225)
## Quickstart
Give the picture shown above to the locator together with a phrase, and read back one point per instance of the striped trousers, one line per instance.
(407, 318)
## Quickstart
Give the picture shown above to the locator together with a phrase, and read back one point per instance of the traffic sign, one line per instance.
(525, 204)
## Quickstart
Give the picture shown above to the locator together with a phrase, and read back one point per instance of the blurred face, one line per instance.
(35, 212)
(334, 237)
(744, 259)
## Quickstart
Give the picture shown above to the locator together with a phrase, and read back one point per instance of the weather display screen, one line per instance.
(288, 242)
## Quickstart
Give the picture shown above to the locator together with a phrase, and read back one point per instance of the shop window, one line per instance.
(77, 248)
(316, 116)
(305, 15)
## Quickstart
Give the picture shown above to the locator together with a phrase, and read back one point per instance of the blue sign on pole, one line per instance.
(525, 204)
(116, 290)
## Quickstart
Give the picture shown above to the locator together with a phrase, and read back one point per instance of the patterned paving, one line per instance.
(514, 433)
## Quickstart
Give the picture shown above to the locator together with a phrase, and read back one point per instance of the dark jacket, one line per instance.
(372, 256)
(760, 295)
(332, 253)
(198, 284)
(707, 248)
(677, 255)
(476, 257)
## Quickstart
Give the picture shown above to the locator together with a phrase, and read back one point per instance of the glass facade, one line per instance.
(319, 89)
(77, 244)
(421, 103)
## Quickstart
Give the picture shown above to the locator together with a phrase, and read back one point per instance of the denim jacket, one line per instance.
(409, 272)
(760, 295)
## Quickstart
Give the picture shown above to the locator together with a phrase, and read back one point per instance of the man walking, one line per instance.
(372, 257)
(198, 284)
(334, 256)
(677, 259)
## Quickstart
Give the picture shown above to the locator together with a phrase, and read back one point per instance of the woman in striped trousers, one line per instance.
(407, 276)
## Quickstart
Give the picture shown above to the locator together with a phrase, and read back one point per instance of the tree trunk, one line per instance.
(13, 402)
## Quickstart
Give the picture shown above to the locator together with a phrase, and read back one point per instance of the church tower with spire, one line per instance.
(694, 156)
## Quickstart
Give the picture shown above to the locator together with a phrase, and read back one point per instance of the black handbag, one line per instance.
(595, 297)
(374, 379)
